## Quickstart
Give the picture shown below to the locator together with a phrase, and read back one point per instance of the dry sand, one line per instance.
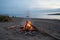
(51, 28)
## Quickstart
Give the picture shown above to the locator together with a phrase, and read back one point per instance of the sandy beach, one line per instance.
(49, 30)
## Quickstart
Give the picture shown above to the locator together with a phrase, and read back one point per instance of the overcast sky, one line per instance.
(50, 4)
(20, 7)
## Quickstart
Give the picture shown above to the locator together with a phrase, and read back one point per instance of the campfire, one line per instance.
(28, 27)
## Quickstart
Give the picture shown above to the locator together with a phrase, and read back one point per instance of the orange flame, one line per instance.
(27, 26)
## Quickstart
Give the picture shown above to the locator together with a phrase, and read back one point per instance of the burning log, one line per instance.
(28, 27)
